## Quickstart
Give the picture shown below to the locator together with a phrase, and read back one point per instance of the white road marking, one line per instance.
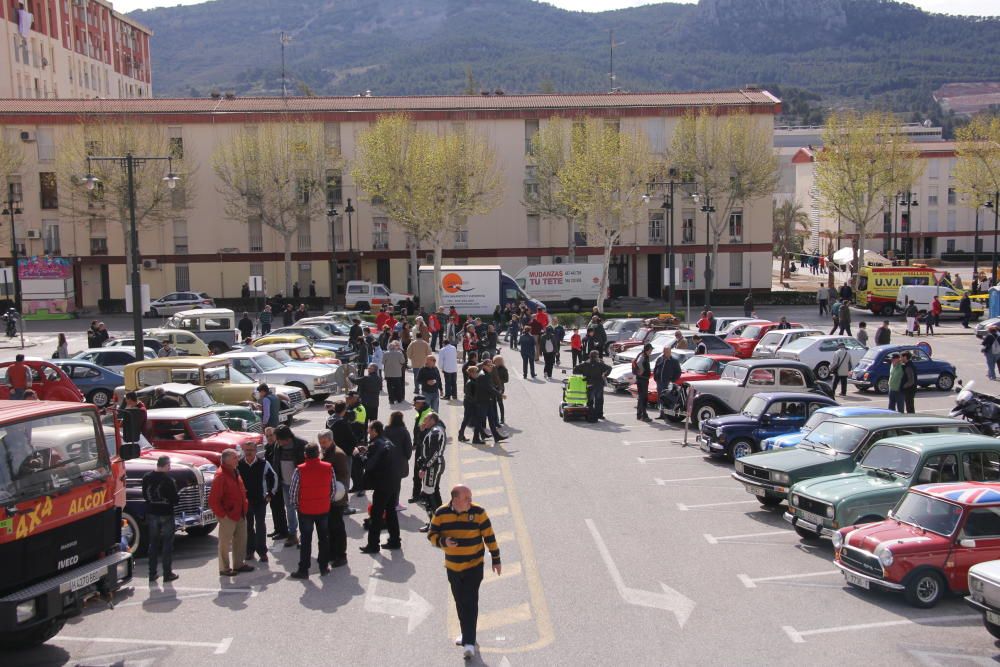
(219, 647)
(664, 482)
(643, 459)
(751, 582)
(415, 609)
(799, 636)
(684, 508)
(712, 539)
(942, 659)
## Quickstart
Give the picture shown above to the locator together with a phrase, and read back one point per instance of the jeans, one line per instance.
(822, 307)
(383, 504)
(161, 541)
(435, 340)
(842, 381)
(845, 327)
(256, 530)
(550, 358)
(17, 394)
(908, 396)
(577, 356)
(488, 416)
(642, 384)
(290, 511)
(433, 400)
(232, 540)
(278, 517)
(465, 591)
(991, 365)
(338, 533)
(896, 400)
(836, 325)
(501, 410)
(528, 361)
(307, 522)
(450, 385)
(595, 401)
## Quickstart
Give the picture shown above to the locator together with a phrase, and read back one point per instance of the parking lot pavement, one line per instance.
(620, 546)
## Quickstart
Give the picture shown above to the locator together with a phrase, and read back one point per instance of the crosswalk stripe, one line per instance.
(509, 570)
(503, 617)
(481, 473)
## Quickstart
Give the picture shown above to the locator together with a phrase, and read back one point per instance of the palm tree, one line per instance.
(790, 224)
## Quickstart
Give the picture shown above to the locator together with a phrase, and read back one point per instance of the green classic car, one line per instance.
(834, 446)
(236, 417)
(820, 507)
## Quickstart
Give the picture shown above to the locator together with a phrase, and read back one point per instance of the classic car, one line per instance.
(872, 370)
(649, 329)
(175, 302)
(817, 352)
(820, 416)
(744, 343)
(984, 594)
(739, 381)
(95, 382)
(662, 339)
(182, 341)
(313, 380)
(776, 339)
(237, 417)
(933, 535)
(277, 339)
(620, 329)
(48, 380)
(295, 353)
(215, 326)
(695, 367)
(762, 416)
(115, 359)
(223, 382)
(831, 447)
(333, 327)
(984, 326)
(621, 376)
(821, 506)
(192, 515)
(128, 342)
(725, 326)
(193, 430)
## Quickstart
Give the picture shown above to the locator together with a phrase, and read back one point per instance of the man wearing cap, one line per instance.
(421, 406)
(840, 368)
(642, 373)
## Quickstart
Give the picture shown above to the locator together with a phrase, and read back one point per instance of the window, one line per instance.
(331, 137)
(462, 238)
(534, 261)
(687, 225)
(952, 197)
(256, 233)
(182, 277)
(950, 245)
(334, 187)
(790, 377)
(176, 141)
(981, 466)
(932, 220)
(14, 188)
(530, 183)
(736, 227)
(657, 217)
(534, 232)
(303, 188)
(180, 238)
(46, 143)
(761, 377)
(656, 133)
(530, 130)
(579, 239)
(380, 233)
(256, 269)
(933, 169)
(687, 267)
(932, 196)
(305, 235)
(952, 220)
(335, 233)
(735, 269)
(50, 236)
(938, 469)
(982, 523)
(48, 191)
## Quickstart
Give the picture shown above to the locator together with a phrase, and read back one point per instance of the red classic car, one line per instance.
(643, 334)
(700, 367)
(194, 431)
(747, 340)
(932, 537)
(48, 380)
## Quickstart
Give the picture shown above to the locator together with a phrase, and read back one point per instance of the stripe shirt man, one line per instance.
(461, 529)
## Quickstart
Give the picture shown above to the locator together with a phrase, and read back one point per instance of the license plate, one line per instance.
(208, 516)
(756, 490)
(993, 617)
(856, 580)
(815, 519)
(82, 581)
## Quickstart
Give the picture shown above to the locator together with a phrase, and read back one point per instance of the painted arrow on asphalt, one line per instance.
(415, 609)
(670, 600)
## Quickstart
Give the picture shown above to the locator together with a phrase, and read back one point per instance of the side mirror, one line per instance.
(967, 543)
(129, 451)
(765, 420)
(891, 514)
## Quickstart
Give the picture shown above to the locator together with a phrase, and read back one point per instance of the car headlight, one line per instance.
(739, 466)
(720, 436)
(976, 585)
(830, 513)
(781, 478)
(885, 556)
(25, 611)
(795, 499)
(208, 469)
(838, 541)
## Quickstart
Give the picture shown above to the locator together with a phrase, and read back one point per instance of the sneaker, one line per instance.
(413, 500)
(469, 651)
(227, 573)
(277, 537)
(173, 576)
(153, 578)
(263, 559)
(323, 571)
(299, 574)
(424, 528)
(348, 511)
(400, 507)
(458, 640)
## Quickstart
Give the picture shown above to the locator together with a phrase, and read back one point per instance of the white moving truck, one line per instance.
(471, 289)
(573, 285)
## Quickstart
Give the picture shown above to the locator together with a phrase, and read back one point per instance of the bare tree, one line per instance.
(550, 149)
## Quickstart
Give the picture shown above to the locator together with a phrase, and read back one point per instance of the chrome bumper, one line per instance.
(870, 579)
(747, 481)
(824, 533)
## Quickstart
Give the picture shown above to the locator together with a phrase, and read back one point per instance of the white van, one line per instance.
(215, 326)
(366, 296)
(575, 285)
(922, 295)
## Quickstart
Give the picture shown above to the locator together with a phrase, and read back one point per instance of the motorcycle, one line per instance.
(980, 409)
(10, 319)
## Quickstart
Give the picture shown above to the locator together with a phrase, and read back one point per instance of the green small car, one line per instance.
(820, 507)
(834, 446)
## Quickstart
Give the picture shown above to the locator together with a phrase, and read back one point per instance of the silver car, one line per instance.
(175, 302)
(312, 379)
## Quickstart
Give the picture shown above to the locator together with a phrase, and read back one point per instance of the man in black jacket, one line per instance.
(160, 493)
(666, 372)
(595, 371)
(261, 483)
(369, 388)
(344, 436)
(382, 477)
(245, 326)
(430, 457)
(277, 501)
(290, 452)
(486, 398)
(965, 307)
(642, 374)
(909, 385)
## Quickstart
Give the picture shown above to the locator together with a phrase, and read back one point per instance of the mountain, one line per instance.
(886, 52)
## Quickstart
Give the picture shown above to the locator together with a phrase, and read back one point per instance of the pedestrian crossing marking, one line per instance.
(491, 491)
(479, 459)
(481, 473)
(509, 570)
(498, 511)
(504, 617)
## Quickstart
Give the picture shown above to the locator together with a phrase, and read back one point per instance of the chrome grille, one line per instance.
(756, 473)
(862, 561)
(814, 506)
(708, 431)
(295, 397)
(191, 500)
(256, 427)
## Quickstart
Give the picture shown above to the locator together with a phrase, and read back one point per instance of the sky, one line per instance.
(968, 7)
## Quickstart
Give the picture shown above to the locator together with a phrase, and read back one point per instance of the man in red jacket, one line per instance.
(434, 327)
(228, 499)
(312, 492)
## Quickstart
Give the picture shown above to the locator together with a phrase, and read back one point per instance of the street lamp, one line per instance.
(12, 207)
(995, 205)
(349, 210)
(708, 210)
(129, 162)
(907, 242)
(331, 215)
(668, 206)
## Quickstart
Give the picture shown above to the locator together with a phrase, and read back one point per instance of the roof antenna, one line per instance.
(611, 62)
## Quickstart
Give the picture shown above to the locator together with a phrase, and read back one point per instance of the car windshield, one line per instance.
(281, 355)
(305, 352)
(50, 454)
(755, 406)
(838, 436)
(752, 331)
(184, 323)
(640, 333)
(929, 513)
(697, 364)
(889, 457)
(798, 344)
(199, 398)
(814, 421)
(770, 338)
(207, 424)
(871, 355)
(236, 377)
(267, 363)
(737, 373)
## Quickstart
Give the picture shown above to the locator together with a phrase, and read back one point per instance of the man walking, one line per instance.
(160, 493)
(991, 348)
(642, 373)
(336, 457)
(595, 371)
(290, 453)
(382, 477)
(277, 501)
(369, 388)
(883, 335)
(896, 401)
(840, 368)
(429, 464)
(422, 409)
(394, 367)
(448, 361)
(666, 372)
(245, 326)
(416, 354)
(313, 491)
(845, 317)
(822, 297)
(527, 348)
(461, 529)
(429, 382)
(909, 385)
(264, 320)
(261, 483)
(228, 500)
(19, 378)
(965, 307)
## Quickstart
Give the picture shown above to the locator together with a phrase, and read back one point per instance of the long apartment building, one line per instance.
(61, 49)
(201, 249)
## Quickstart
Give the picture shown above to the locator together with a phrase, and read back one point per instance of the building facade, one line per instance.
(72, 49)
(201, 249)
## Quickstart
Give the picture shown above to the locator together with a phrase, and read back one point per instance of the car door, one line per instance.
(781, 417)
(791, 379)
(927, 373)
(978, 541)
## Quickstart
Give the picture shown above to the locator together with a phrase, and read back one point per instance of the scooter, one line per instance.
(980, 409)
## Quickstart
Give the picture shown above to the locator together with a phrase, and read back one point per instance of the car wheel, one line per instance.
(924, 589)
(201, 531)
(882, 386)
(153, 312)
(769, 501)
(739, 448)
(703, 411)
(992, 629)
(822, 371)
(887, 310)
(99, 397)
(806, 534)
(945, 381)
(217, 347)
(134, 533)
(363, 306)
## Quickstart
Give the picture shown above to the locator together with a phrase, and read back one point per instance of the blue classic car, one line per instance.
(820, 416)
(763, 416)
(95, 382)
(872, 372)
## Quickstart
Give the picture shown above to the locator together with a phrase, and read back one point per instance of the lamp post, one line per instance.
(975, 242)
(349, 210)
(668, 206)
(331, 215)
(708, 210)
(906, 242)
(129, 162)
(12, 208)
(995, 205)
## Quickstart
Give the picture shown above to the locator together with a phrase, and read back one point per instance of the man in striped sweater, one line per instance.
(461, 528)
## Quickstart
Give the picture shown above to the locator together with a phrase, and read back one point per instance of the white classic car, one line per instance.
(262, 367)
